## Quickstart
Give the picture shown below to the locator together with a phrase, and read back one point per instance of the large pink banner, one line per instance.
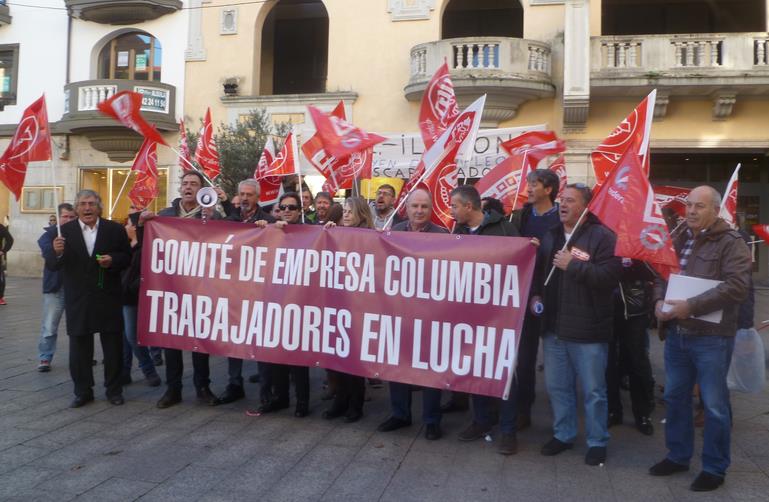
(437, 310)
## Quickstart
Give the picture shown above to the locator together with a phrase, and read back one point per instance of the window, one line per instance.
(131, 56)
(107, 182)
(9, 71)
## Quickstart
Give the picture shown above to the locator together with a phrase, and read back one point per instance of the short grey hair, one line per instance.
(87, 192)
(420, 189)
(250, 182)
(715, 195)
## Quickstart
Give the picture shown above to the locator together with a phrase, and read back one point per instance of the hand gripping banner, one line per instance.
(442, 311)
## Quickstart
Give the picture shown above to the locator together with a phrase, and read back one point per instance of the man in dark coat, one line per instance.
(6, 243)
(91, 253)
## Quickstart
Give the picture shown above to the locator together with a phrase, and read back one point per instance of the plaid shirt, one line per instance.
(686, 251)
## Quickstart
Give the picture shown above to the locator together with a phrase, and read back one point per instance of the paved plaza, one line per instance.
(194, 452)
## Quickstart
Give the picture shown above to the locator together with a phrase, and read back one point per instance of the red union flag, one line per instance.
(340, 138)
(185, 159)
(559, 167)
(442, 180)
(762, 231)
(31, 142)
(729, 204)
(144, 189)
(439, 106)
(125, 107)
(635, 128)
(206, 154)
(502, 182)
(269, 186)
(625, 203)
(286, 162)
(672, 197)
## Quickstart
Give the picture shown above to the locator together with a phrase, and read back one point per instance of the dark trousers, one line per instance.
(235, 371)
(400, 402)
(2, 279)
(526, 371)
(350, 391)
(81, 363)
(281, 377)
(630, 347)
(266, 391)
(175, 369)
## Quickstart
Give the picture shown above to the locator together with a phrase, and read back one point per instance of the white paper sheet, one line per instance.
(682, 287)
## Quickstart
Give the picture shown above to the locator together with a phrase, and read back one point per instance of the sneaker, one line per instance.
(508, 444)
(2, 301)
(473, 432)
(44, 366)
(596, 455)
(706, 482)
(554, 447)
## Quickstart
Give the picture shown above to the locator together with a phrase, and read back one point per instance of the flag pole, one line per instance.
(119, 194)
(54, 154)
(574, 230)
(297, 169)
(192, 166)
(520, 182)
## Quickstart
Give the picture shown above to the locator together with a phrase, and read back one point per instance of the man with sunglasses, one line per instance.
(577, 320)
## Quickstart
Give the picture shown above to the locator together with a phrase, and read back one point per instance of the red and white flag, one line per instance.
(31, 142)
(635, 128)
(439, 106)
(672, 197)
(340, 138)
(729, 203)
(286, 162)
(559, 167)
(206, 154)
(185, 159)
(762, 231)
(125, 107)
(625, 203)
(145, 189)
(270, 187)
(501, 182)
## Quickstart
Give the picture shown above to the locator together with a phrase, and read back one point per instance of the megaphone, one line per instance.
(207, 197)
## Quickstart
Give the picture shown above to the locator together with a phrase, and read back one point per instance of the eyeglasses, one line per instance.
(289, 207)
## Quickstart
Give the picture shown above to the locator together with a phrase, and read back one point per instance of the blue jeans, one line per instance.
(400, 403)
(565, 362)
(508, 410)
(704, 360)
(131, 346)
(53, 309)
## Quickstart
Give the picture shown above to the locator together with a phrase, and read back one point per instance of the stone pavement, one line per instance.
(193, 452)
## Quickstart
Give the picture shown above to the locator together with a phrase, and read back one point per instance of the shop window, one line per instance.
(107, 183)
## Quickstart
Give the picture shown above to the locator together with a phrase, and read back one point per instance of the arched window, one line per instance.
(295, 48)
(482, 18)
(131, 56)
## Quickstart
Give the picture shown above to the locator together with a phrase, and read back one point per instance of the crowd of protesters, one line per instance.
(591, 309)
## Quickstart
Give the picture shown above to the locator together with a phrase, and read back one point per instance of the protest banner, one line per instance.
(442, 311)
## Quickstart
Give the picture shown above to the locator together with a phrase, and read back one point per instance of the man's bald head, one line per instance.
(419, 208)
(702, 207)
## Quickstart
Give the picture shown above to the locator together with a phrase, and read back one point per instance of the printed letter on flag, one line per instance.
(145, 189)
(636, 127)
(269, 185)
(625, 204)
(340, 138)
(439, 106)
(185, 159)
(125, 107)
(729, 204)
(286, 161)
(205, 153)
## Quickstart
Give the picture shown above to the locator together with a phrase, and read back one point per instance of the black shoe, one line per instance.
(473, 431)
(645, 426)
(352, 416)
(273, 406)
(596, 455)
(254, 378)
(170, 398)
(452, 406)
(433, 432)
(153, 380)
(554, 447)
(205, 396)
(116, 400)
(508, 444)
(80, 401)
(614, 419)
(666, 468)
(393, 424)
(333, 413)
(706, 482)
(302, 410)
(231, 394)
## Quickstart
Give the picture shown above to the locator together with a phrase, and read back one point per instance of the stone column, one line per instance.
(576, 66)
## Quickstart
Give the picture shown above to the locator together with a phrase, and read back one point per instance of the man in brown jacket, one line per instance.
(698, 351)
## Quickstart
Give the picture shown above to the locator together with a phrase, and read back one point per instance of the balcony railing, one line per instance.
(510, 70)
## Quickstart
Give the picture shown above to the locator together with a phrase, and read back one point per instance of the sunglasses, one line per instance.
(290, 207)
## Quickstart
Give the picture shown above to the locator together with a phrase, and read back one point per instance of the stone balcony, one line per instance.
(121, 11)
(82, 117)
(718, 66)
(511, 71)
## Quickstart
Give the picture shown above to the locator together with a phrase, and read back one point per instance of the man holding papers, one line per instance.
(698, 351)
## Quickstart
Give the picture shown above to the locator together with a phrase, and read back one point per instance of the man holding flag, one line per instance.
(699, 351)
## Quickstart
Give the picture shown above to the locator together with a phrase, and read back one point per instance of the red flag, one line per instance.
(286, 162)
(672, 197)
(501, 182)
(185, 160)
(270, 186)
(729, 204)
(762, 231)
(559, 167)
(340, 138)
(31, 142)
(125, 107)
(205, 153)
(625, 204)
(636, 127)
(439, 106)
(145, 189)
(444, 179)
